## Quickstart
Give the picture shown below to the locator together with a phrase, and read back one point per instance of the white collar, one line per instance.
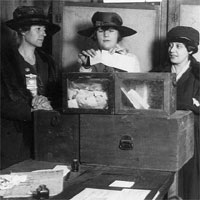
(183, 70)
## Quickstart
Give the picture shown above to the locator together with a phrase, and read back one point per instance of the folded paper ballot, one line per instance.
(135, 99)
(123, 62)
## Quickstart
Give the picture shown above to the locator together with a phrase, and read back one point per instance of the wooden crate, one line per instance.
(56, 136)
(133, 141)
(88, 93)
(145, 93)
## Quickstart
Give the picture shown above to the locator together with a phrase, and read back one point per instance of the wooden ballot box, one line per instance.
(56, 136)
(126, 133)
(136, 141)
(119, 93)
(88, 93)
(145, 93)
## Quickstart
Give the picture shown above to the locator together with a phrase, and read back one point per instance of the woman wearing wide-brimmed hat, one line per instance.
(28, 75)
(182, 43)
(107, 31)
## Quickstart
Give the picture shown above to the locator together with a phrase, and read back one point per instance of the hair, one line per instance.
(94, 35)
(191, 49)
(189, 46)
(23, 29)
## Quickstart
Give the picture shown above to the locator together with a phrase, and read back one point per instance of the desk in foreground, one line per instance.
(101, 177)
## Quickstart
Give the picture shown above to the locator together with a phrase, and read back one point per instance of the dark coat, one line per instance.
(16, 116)
(15, 98)
(188, 87)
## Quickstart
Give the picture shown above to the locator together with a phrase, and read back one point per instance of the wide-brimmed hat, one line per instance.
(184, 34)
(107, 19)
(31, 15)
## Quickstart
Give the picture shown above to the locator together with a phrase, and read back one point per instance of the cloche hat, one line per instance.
(107, 19)
(184, 34)
(31, 15)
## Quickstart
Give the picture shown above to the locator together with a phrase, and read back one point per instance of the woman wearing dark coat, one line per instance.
(28, 82)
(182, 44)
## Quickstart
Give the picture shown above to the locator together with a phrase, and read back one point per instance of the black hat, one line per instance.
(107, 19)
(31, 15)
(184, 34)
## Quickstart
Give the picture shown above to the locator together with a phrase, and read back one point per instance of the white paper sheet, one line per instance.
(122, 184)
(130, 194)
(96, 194)
(116, 60)
(53, 179)
(102, 194)
(64, 168)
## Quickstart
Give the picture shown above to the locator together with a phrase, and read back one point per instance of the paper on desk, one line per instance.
(53, 179)
(123, 184)
(102, 194)
(116, 60)
(63, 168)
(8, 181)
(130, 194)
(96, 194)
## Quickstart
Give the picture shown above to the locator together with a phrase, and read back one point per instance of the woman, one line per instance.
(28, 75)
(107, 31)
(182, 44)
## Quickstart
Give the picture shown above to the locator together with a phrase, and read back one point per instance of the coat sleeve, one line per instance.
(17, 110)
(14, 97)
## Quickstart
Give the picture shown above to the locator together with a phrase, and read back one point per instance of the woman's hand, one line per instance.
(118, 49)
(40, 102)
(84, 56)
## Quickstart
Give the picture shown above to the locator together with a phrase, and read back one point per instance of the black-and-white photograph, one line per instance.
(100, 100)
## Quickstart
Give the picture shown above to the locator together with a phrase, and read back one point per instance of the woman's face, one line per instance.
(107, 38)
(35, 36)
(178, 53)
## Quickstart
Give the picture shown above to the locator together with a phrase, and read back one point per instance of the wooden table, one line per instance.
(101, 176)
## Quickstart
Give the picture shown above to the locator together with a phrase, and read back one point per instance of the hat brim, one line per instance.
(16, 24)
(124, 31)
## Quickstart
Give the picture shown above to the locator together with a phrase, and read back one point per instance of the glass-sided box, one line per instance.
(88, 93)
(145, 93)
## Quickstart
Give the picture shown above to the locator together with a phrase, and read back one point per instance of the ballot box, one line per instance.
(119, 93)
(145, 93)
(140, 142)
(88, 93)
(56, 136)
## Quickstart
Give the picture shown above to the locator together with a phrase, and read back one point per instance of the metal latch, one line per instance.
(126, 142)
